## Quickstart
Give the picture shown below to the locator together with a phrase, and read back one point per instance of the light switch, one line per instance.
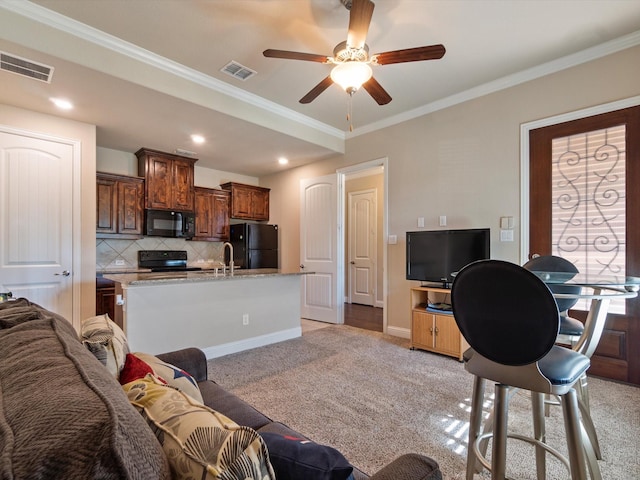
(393, 239)
(506, 223)
(443, 220)
(420, 222)
(506, 235)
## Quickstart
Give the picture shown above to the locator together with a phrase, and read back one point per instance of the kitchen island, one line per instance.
(218, 313)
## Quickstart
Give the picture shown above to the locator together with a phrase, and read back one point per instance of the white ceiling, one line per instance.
(147, 72)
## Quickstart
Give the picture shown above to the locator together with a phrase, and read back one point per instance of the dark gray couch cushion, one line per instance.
(62, 415)
(228, 404)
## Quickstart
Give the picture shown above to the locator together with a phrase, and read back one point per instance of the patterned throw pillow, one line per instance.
(199, 442)
(172, 375)
(106, 340)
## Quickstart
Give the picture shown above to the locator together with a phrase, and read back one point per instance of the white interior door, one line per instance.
(36, 213)
(362, 247)
(319, 249)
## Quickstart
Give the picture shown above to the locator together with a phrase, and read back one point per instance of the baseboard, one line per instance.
(399, 332)
(241, 345)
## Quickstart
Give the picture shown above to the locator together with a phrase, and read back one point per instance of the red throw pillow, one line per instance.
(133, 369)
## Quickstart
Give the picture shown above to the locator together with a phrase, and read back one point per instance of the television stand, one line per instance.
(434, 330)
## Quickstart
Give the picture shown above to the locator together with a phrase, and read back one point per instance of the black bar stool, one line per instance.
(511, 320)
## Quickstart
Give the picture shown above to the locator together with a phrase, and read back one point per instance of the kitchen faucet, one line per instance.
(224, 247)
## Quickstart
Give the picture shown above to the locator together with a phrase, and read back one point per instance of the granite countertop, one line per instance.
(157, 278)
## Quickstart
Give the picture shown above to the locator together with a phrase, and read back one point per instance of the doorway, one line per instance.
(363, 227)
(39, 218)
(582, 173)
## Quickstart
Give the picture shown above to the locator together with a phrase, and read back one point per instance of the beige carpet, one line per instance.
(371, 397)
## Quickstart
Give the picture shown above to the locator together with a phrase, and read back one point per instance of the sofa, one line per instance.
(64, 415)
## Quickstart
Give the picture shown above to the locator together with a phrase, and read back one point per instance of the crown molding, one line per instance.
(69, 26)
(105, 40)
(584, 56)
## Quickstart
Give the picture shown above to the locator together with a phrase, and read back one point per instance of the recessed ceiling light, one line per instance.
(62, 103)
(197, 139)
(283, 161)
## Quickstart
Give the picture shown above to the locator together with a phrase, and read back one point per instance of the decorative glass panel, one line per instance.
(589, 201)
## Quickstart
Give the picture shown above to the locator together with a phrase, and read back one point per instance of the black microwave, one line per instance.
(167, 223)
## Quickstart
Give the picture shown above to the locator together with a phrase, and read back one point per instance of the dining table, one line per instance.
(600, 289)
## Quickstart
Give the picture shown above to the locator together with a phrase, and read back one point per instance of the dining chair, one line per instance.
(511, 320)
(570, 328)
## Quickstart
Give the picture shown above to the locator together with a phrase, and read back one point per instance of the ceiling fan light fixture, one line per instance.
(351, 75)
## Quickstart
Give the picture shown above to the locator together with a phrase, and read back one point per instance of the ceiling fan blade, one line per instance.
(359, 21)
(431, 52)
(317, 90)
(378, 93)
(310, 57)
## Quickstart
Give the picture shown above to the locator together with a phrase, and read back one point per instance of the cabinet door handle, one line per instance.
(436, 330)
(431, 330)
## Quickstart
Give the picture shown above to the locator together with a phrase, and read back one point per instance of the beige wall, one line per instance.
(60, 127)
(462, 162)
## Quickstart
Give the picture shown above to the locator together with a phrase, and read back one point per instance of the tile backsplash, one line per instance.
(123, 254)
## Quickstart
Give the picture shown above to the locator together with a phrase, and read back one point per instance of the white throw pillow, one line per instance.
(106, 340)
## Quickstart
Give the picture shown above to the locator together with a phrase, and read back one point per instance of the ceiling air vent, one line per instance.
(26, 68)
(238, 71)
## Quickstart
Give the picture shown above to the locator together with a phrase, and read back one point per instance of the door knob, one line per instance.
(65, 273)
(352, 262)
(301, 265)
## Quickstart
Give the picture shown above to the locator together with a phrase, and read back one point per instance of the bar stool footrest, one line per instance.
(487, 465)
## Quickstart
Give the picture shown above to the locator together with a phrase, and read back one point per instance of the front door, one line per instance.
(36, 228)
(321, 299)
(584, 200)
(362, 246)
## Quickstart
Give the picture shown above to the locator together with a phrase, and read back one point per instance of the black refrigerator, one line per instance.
(255, 245)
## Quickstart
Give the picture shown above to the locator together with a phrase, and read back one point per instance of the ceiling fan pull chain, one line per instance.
(350, 111)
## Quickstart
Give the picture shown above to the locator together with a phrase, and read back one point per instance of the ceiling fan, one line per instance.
(351, 58)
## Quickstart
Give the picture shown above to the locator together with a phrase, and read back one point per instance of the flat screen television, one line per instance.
(434, 256)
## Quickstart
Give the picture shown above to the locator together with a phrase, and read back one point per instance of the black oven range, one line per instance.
(164, 260)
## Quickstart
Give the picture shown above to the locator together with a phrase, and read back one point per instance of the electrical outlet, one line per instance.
(119, 262)
(245, 319)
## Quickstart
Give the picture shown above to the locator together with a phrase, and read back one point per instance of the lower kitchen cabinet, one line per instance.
(105, 297)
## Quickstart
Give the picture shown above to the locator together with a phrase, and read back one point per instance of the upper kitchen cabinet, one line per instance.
(212, 214)
(168, 180)
(248, 202)
(119, 200)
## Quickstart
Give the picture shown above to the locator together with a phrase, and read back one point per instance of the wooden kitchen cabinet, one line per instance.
(105, 297)
(168, 180)
(434, 331)
(248, 202)
(212, 214)
(119, 200)
(107, 292)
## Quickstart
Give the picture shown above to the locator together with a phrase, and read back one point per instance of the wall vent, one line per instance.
(238, 71)
(26, 68)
